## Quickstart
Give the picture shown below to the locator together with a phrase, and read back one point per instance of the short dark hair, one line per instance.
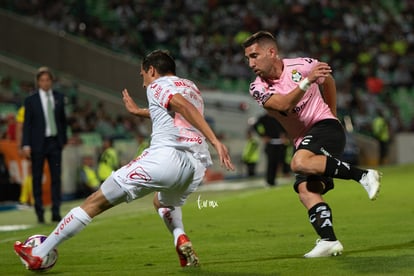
(259, 37)
(43, 70)
(161, 60)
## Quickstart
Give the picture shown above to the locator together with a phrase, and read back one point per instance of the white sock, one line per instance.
(177, 232)
(172, 217)
(70, 225)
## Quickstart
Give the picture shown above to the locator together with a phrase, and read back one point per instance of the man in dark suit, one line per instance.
(44, 136)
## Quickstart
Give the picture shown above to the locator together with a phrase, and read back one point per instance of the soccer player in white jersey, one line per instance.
(289, 90)
(172, 167)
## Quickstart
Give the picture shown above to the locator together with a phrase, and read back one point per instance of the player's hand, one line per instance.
(320, 70)
(223, 153)
(130, 105)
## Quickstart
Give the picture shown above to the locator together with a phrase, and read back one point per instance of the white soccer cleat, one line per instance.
(371, 183)
(325, 249)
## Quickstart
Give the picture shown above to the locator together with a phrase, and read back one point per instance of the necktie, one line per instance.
(51, 115)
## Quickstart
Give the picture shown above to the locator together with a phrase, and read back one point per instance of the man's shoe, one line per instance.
(371, 183)
(56, 218)
(325, 249)
(25, 253)
(186, 252)
(40, 220)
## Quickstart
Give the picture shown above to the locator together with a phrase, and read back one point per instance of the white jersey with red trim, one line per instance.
(309, 110)
(170, 129)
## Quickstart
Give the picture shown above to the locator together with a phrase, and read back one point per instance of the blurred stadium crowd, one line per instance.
(369, 43)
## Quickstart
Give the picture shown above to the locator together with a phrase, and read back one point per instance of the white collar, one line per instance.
(45, 92)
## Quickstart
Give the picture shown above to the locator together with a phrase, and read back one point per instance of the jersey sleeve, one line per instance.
(260, 91)
(308, 66)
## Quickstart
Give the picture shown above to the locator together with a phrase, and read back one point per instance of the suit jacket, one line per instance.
(34, 125)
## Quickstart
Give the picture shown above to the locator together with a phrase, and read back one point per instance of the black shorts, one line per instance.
(326, 137)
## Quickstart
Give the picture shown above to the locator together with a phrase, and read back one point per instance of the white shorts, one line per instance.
(175, 174)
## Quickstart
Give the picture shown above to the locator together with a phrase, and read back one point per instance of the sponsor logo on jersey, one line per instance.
(306, 140)
(183, 83)
(325, 152)
(157, 92)
(197, 139)
(300, 107)
(261, 96)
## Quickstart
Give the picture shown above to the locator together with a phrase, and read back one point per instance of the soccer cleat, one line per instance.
(186, 252)
(325, 249)
(25, 253)
(371, 183)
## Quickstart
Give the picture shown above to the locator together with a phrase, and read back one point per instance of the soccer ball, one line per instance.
(50, 260)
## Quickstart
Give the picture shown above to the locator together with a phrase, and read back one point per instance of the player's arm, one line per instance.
(132, 107)
(179, 104)
(286, 102)
(329, 93)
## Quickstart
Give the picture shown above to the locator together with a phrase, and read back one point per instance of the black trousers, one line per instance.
(251, 168)
(275, 156)
(52, 152)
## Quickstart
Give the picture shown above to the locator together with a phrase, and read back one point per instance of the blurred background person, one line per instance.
(19, 128)
(381, 133)
(274, 138)
(26, 193)
(44, 136)
(11, 127)
(108, 160)
(89, 180)
(251, 153)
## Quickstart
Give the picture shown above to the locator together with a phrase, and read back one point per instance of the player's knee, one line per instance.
(298, 165)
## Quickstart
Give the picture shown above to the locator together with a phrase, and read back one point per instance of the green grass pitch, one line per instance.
(254, 231)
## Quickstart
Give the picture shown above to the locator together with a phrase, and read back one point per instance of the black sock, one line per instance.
(338, 169)
(321, 218)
